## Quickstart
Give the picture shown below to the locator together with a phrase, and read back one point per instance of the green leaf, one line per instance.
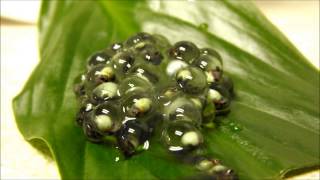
(273, 126)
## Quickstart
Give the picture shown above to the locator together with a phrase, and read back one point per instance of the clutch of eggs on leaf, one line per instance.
(146, 87)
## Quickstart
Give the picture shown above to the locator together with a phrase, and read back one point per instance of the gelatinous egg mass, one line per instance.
(145, 87)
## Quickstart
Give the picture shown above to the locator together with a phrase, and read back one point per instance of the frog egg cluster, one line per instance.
(145, 85)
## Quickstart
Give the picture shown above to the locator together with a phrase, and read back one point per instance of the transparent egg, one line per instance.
(183, 109)
(123, 61)
(211, 52)
(99, 74)
(104, 92)
(181, 136)
(214, 76)
(151, 54)
(211, 57)
(131, 135)
(102, 57)
(90, 130)
(210, 62)
(79, 85)
(174, 66)
(221, 89)
(147, 72)
(107, 118)
(83, 113)
(138, 104)
(191, 80)
(139, 40)
(185, 51)
(220, 97)
(133, 82)
(168, 94)
(213, 169)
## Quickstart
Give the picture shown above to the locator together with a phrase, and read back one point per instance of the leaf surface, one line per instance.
(276, 106)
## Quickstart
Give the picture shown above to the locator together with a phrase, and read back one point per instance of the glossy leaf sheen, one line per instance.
(276, 105)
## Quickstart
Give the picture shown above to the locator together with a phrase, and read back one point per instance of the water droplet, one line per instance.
(235, 127)
(146, 145)
(181, 136)
(117, 159)
(203, 26)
